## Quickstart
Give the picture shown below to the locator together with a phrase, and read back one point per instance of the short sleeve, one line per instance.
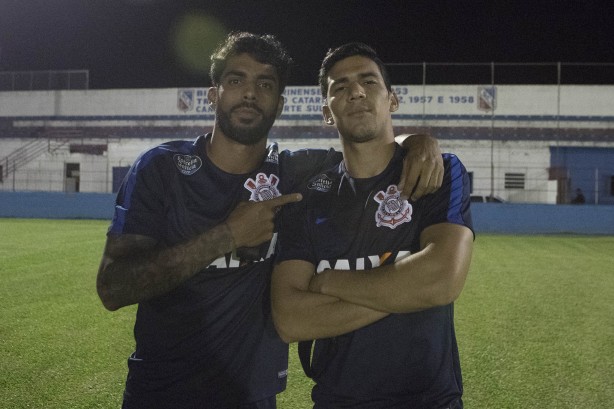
(139, 207)
(451, 203)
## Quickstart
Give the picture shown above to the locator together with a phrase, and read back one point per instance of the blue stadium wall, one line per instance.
(587, 168)
(508, 218)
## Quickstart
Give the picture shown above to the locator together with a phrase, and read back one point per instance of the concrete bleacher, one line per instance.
(7, 130)
(446, 127)
(465, 133)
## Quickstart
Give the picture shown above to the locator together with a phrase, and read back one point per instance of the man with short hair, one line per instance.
(192, 238)
(368, 275)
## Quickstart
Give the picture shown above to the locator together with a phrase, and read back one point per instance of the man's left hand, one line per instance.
(422, 167)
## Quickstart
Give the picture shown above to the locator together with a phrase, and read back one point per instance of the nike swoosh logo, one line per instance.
(321, 220)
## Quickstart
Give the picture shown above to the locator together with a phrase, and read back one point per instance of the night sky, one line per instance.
(163, 43)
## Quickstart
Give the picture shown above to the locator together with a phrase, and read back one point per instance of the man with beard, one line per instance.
(192, 238)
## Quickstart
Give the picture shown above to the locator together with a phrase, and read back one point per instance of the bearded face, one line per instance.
(247, 99)
(245, 123)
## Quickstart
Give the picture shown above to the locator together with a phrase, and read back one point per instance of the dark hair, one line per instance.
(265, 49)
(349, 50)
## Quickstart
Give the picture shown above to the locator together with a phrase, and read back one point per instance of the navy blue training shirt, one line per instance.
(403, 360)
(211, 341)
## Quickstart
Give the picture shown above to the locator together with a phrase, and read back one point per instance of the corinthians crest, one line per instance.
(392, 212)
(263, 188)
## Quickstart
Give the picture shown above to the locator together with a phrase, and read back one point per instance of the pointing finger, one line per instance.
(284, 199)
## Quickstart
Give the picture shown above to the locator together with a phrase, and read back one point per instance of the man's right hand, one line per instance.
(253, 223)
(136, 268)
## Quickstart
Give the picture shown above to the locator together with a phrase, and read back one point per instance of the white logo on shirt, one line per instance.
(263, 188)
(362, 263)
(322, 184)
(187, 164)
(392, 212)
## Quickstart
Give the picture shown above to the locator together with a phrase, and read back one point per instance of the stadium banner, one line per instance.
(443, 104)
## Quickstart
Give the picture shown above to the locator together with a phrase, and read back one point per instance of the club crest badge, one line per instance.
(322, 183)
(392, 211)
(273, 154)
(185, 100)
(263, 188)
(487, 98)
(187, 164)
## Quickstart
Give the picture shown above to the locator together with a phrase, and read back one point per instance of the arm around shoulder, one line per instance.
(423, 168)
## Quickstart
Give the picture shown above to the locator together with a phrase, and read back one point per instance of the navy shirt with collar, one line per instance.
(403, 360)
(211, 341)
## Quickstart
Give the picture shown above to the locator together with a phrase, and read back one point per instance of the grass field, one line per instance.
(535, 322)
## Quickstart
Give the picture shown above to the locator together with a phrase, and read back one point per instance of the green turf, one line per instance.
(535, 322)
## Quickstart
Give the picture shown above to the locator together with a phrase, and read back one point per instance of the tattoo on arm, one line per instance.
(135, 268)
